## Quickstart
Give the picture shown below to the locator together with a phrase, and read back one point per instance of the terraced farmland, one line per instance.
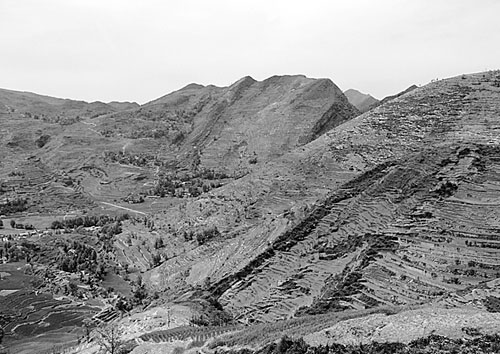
(26, 314)
(199, 334)
(386, 235)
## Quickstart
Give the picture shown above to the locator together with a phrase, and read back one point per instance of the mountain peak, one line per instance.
(362, 101)
(192, 86)
(245, 79)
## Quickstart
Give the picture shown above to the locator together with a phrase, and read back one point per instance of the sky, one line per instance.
(139, 50)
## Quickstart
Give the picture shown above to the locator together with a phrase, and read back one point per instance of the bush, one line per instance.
(206, 235)
(42, 141)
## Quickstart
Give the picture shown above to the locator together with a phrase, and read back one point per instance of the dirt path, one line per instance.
(92, 130)
(124, 208)
(125, 146)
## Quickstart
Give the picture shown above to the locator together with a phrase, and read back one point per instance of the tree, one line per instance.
(156, 260)
(109, 339)
(159, 243)
(1, 224)
(87, 325)
(73, 288)
(12, 224)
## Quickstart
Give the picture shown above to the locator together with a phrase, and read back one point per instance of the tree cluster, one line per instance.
(14, 206)
(125, 158)
(201, 237)
(77, 257)
(88, 221)
(14, 252)
(204, 236)
(188, 184)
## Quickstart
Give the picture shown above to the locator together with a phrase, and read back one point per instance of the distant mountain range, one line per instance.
(50, 107)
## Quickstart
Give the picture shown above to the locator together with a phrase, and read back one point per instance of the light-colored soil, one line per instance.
(155, 319)
(408, 326)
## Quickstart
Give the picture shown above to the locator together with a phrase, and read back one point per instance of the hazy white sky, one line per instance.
(138, 50)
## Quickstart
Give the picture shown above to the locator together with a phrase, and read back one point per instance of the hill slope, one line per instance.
(391, 97)
(52, 109)
(383, 202)
(233, 128)
(117, 151)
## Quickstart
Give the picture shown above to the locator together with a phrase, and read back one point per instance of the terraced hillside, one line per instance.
(26, 315)
(304, 211)
(48, 147)
(373, 212)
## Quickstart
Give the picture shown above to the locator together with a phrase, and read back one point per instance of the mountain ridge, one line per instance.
(231, 126)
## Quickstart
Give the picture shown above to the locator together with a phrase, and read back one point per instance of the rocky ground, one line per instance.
(408, 326)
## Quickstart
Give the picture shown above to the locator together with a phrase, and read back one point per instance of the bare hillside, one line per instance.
(231, 129)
